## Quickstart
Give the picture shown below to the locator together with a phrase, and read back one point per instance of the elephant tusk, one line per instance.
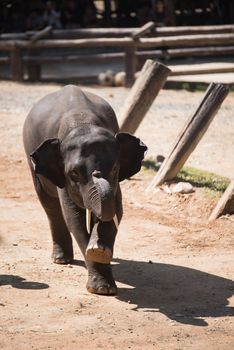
(115, 219)
(88, 220)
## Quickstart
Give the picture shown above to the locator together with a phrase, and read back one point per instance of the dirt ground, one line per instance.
(174, 270)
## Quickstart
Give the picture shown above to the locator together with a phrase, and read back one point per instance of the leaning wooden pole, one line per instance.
(191, 134)
(151, 79)
(226, 203)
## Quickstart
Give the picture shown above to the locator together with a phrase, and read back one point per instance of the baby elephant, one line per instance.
(77, 157)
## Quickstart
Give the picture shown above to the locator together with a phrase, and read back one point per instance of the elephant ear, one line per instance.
(47, 161)
(132, 152)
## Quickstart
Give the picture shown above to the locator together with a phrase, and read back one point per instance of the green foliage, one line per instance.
(150, 164)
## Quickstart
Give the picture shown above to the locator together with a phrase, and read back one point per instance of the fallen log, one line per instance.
(226, 203)
(191, 134)
(151, 79)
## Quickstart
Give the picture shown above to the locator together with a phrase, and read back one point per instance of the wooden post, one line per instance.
(226, 203)
(34, 72)
(130, 65)
(34, 69)
(152, 78)
(191, 134)
(17, 69)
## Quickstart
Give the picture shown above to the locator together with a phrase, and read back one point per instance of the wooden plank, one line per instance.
(191, 134)
(152, 77)
(226, 203)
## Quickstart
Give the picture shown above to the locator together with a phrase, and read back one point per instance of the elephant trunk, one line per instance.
(100, 199)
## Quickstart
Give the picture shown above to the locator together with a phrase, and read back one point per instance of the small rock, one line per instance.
(120, 79)
(182, 187)
(160, 158)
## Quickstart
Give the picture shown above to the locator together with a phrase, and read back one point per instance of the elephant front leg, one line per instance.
(101, 243)
(100, 278)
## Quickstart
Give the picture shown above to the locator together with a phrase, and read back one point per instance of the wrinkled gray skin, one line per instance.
(77, 158)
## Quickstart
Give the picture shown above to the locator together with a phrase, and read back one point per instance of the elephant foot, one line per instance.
(101, 281)
(99, 253)
(60, 256)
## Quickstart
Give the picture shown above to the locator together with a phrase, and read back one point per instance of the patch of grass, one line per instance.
(201, 178)
(197, 178)
(150, 164)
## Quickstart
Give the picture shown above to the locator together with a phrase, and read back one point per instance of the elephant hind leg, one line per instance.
(62, 252)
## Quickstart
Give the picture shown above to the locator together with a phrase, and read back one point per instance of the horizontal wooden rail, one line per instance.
(101, 57)
(142, 55)
(119, 32)
(175, 41)
(182, 30)
(187, 40)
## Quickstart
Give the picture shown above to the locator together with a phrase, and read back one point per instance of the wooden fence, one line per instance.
(134, 45)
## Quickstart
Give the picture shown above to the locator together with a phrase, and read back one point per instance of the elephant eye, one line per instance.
(74, 175)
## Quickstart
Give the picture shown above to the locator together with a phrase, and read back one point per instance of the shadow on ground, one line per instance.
(183, 294)
(20, 282)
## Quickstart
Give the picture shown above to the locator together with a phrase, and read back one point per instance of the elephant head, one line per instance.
(89, 162)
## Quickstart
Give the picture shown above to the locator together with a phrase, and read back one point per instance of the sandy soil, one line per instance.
(174, 270)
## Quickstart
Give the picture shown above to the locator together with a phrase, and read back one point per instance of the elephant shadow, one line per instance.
(183, 294)
(20, 282)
